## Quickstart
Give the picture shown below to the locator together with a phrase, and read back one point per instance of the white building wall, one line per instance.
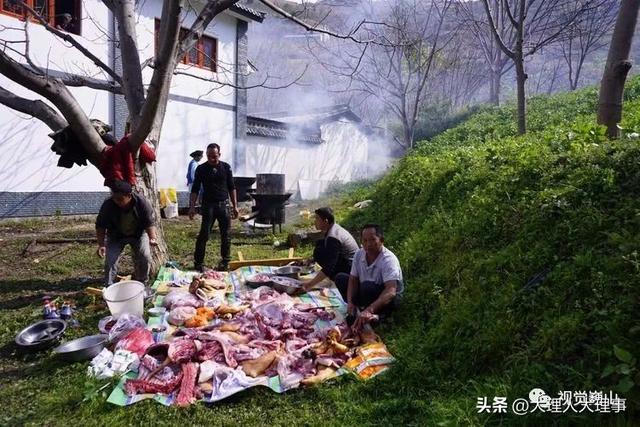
(344, 154)
(187, 128)
(310, 168)
(26, 162)
(223, 28)
(198, 113)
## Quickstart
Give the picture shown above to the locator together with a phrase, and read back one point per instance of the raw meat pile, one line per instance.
(267, 335)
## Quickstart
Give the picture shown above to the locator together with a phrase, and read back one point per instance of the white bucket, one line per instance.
(125, 297)
(171, 211)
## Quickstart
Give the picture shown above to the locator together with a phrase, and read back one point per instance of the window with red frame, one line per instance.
(61, 14)
(203, 55)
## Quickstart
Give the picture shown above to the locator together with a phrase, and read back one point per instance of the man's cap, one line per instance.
(122, 187)
(197, 153)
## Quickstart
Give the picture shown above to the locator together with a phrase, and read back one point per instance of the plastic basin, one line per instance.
(125, 297)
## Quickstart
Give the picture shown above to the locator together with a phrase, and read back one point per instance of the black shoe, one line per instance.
(199, 268)
(222, 266)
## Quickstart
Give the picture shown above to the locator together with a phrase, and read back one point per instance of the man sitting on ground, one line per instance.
(375, 282)
(125, 219)
(334, 252)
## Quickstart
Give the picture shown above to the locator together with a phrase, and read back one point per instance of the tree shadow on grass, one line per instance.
(17, 294)
(26, 363)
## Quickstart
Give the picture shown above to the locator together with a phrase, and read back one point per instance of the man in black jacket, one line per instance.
(125, 219)
(216, 178)
(334, 252)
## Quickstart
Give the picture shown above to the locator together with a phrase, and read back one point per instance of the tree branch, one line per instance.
(34, 108)
(67, 37)
(132, 84)
(315, 28)
(211, 9)
(165, 62)
(56, 92)
(74, 80)
(262, 85)
(495, 32)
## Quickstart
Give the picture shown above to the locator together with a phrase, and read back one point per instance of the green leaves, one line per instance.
(625, 385)
(623, 355)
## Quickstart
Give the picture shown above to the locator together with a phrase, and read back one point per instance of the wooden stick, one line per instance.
(27, 248)
(56, 253)
(93, 291)
(76, 240)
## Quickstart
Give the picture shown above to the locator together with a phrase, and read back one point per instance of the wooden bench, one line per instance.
(276, 262)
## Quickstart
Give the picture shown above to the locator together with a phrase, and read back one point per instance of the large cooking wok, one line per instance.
(41, 335)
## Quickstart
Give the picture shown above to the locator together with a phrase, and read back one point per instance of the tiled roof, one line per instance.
(247, 12)
(315, 115)
(258, 126)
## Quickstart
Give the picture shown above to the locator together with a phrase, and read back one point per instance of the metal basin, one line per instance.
(41, 335)
(253, 281)
(291, 271)
(82, 348)
(286, 284)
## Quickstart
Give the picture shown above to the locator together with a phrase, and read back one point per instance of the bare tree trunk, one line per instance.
(617, 68)
(574, 81)
(521, 78)
(147, 186)
(406, 132)
(494, 87)
(554, 77)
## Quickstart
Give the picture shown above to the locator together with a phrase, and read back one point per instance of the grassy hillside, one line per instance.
(521, 254)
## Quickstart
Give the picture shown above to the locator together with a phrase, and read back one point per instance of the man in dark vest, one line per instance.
(334, 252)
(124, 219)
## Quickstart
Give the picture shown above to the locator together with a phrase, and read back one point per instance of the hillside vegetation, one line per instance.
(521, 255)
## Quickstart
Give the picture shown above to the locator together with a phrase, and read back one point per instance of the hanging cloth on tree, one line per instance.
(118, 161)
(68, 147)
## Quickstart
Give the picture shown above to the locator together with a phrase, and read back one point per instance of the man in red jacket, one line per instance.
(118, 161)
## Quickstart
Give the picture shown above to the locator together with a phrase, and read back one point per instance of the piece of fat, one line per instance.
(207, 369)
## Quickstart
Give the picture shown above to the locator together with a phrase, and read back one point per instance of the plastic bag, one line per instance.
(168, 196)
(125, 323)
(106, 323)
(179, 315)
(136, 341)
(180, 298)
(370, 360)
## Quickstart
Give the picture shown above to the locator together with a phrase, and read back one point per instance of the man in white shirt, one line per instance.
(375, 281)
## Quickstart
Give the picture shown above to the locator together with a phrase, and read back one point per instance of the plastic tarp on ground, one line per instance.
(328, 298)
